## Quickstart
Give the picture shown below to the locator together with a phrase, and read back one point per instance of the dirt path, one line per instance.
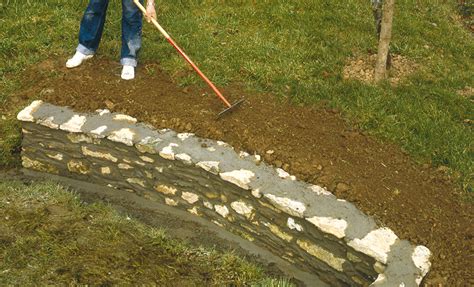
(315, 144)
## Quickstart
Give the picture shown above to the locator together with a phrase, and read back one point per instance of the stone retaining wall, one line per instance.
(302, 223)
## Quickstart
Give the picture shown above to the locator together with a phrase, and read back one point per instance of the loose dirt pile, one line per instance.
(315, 144)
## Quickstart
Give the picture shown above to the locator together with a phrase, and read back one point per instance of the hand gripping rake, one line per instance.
(229, 107)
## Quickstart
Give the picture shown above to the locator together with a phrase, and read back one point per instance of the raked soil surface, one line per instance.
(316, 144)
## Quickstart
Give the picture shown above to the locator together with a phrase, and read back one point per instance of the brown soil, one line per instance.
(315, 144)
(467, 92)
(362, 68)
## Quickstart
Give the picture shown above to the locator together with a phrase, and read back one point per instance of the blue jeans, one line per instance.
(92, 25)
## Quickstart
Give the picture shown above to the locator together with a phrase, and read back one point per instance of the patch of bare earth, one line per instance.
(467, 92)
(362, 68)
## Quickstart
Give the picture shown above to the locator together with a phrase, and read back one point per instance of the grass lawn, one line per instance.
(293, 49)
(48, 236)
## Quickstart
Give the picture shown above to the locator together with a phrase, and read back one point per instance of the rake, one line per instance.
(229, 107)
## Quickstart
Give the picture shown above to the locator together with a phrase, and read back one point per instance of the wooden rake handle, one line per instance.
(181, 52)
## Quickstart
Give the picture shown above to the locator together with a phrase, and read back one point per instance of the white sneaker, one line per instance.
(77, 60)
(128, 72)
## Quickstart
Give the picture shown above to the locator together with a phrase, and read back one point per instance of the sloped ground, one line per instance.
(49, 237)
(315, 144)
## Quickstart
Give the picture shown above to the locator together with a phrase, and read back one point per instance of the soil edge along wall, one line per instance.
(302, 223)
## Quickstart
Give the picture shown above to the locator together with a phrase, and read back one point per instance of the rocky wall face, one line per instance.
(304, 224)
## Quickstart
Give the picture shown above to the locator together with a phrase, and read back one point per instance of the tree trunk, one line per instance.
(384, 42)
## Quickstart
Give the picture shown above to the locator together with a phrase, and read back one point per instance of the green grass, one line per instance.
(47, 236)
(285, 47)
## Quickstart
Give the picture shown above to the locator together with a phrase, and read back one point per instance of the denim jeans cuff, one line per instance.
(84, 50)
(128, 62)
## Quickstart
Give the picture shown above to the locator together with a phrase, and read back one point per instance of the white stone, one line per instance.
(124, 136)
(243, 154)
(184, 136)
(77, 166)
(159, 169)
(276, 230)
(105, 170)
(258, 158)
(49, 122)
(217, 223)
(167, 152)
(221, 143)
(256, 193)
(124, 166)
(336, 227)
(222, 210)
(210, 166)
(97, 154)
(240, 178)
(190, 197)
(319, 190)
(28, 163)
(98, 131)
(136, 181)
(139, 163)
(121, 117)
(168, 190)
(171, 202)
(242, 208)
(194, 210)
(149, 174)
(292, 207)
(185, 158)
(26, 114)
(293, 225)
(379, 267)
(376, 243)
(57, 156)
(74, 125)
(80, 138)
(421, 258)
(103, 112)
(147, 159)
(322, 254)
(380, 280)
(282, 174)
(211, 149)
(208, 205)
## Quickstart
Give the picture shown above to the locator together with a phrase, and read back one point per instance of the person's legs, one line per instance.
(131, 37)
(92, 25)
(90, 32)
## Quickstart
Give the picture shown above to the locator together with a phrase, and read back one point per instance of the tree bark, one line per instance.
(384, 42)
